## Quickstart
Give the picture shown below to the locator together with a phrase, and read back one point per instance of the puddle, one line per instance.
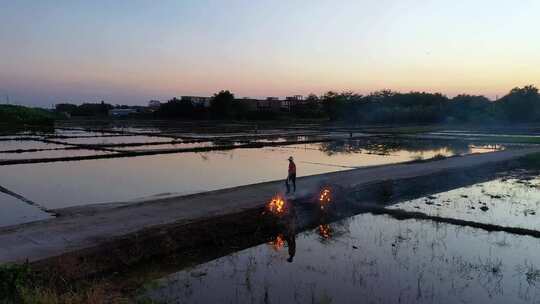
(66, 184)
(370, 259)
(15, 211)
(510, 201)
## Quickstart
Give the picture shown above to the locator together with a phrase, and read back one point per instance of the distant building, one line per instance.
(249, 104)
(269, 105)
(154, 104)
(291, 101)
(198, 101)
(121, 112)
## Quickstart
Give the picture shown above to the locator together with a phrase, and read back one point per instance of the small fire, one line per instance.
(278, 243)
(324, 231)
(325, 198)
(276, 205)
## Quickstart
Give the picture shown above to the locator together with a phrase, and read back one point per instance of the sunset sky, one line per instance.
(127, 52)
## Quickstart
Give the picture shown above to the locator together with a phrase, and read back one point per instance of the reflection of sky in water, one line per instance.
(164, 146)
(15, 211)
(64, 184)
(375, 259)
(115, 139)
(505, 202)
(51, 154)
(8, 145)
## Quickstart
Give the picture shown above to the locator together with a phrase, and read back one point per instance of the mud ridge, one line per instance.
(407, 215)
(24, 199)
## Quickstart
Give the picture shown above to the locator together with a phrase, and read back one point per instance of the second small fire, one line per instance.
(325, 198)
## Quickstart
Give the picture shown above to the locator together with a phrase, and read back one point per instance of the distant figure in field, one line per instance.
(291, 177)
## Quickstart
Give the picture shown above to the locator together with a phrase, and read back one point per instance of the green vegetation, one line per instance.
(85, 109)
(508, 139)
(19, 284)
(532, 161)
(520, 105)
(14, 279)
(381, 107)
(12, 115)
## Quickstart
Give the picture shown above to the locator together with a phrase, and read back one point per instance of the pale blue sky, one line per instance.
(133, 51)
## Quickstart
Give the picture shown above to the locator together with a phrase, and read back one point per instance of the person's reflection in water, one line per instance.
(290, 237)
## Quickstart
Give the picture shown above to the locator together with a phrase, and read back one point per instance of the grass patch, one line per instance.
(438, 156)
(406, 129)
(531, 161)
(20, 284)
(11, 115)
(508, 139)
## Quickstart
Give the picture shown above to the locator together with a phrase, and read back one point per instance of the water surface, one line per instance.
(64, 184)
(368, 259)
(15, 211)
(511, 201)
(59, 185)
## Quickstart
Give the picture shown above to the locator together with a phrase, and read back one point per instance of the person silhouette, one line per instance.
(290, 236)
(291, 176)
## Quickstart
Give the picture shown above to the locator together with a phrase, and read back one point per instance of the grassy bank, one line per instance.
(15, 116)
(21, 284)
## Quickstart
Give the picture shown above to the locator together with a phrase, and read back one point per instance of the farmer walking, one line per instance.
(291, 177)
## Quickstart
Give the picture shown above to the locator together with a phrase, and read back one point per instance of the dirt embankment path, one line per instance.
(88, 227)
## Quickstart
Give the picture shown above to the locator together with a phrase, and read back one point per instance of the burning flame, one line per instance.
(276, 205)
(325, 198)
(324, 231)
(278, 243)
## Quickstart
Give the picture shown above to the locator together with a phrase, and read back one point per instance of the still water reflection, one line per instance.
(368, 259)
(64, 184)
(511, 201)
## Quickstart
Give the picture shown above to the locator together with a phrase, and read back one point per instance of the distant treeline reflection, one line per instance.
(388, 146)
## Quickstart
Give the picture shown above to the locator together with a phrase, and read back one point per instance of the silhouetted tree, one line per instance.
(308, 108)
(521, 104)
(176, 108)
(66, 108)
(222, 105)
(337, 105)
(470, 108)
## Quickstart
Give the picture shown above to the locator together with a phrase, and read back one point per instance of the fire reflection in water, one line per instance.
(278, 243)
(287, 235)
(325, 231)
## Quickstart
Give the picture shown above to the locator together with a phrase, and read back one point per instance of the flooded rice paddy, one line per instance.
(50, 153)
(74, 183)
(104, 140)
(510, 201)
(15, 211)
(364, 258)
(14, 145)
(367, 259)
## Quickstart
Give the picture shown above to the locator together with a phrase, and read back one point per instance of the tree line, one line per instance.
(521, 104)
